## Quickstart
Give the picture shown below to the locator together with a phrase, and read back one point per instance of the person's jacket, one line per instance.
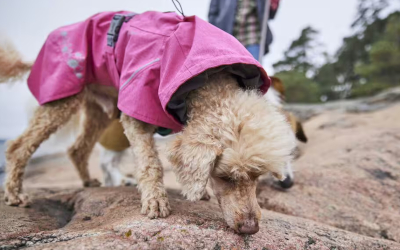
(222, 14)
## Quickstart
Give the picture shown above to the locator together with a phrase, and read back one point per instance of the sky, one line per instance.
(26, 23)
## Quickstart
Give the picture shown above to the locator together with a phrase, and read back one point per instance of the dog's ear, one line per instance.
(277, 84)
(193, 161)
(300, 134)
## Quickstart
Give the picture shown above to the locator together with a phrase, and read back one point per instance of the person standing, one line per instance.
(243, 19)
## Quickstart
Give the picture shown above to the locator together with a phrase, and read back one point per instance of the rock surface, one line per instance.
(109, 218)
(367, 104)
(348, 175)
(346, 196)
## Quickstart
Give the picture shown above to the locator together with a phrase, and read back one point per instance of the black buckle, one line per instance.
(113, 32)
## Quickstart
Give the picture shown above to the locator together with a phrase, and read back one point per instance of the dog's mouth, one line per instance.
(249, 226)
(247, 223)
(244, 226)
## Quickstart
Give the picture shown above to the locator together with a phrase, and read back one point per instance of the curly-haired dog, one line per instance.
(114, 142)
(162, 70)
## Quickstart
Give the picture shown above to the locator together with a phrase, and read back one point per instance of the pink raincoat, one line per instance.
(157, 59)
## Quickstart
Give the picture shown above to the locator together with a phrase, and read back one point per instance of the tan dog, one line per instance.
(232, 138)
(114, 142)
(296, 125)
(276, 95)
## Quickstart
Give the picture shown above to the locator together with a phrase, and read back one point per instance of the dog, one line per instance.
(114, 143)
(161, 70)
(276, 95)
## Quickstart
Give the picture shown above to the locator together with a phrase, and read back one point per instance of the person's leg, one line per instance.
(254, 50)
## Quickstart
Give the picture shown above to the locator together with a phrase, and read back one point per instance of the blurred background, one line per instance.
(322, 50)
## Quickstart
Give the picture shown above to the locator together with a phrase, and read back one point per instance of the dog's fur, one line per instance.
(12, 68)
(276, 95)
(114, 142)
(231, 138)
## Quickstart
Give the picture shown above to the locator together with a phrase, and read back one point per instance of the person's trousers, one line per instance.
(254, 50)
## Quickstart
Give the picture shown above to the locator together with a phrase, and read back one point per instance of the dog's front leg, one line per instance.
(148, 172)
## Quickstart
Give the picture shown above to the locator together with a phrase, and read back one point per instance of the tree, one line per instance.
(382, 70)
(326, 78)
(298, 56)
(367, 12)
(367, 61)
(357, 51)
(296, 65)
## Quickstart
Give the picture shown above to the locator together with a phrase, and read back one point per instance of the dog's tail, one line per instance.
(12, 67)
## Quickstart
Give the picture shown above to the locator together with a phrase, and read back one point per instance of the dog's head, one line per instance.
(248, 141)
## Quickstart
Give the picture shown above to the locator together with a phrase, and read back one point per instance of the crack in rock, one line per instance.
(43, 238)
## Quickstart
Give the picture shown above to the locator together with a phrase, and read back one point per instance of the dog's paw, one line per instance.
(92, 183)
(156, 207)
(206, 197)
(20, 200)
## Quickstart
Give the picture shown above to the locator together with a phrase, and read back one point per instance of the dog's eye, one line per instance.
(254, 176)
(226, 179)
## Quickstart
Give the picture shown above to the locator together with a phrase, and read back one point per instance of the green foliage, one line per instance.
(298, 87)
(382, 70)
(354, 51)
(294, 67)
(368, 11)
(366, 63)
(368, 89)
(297, 57)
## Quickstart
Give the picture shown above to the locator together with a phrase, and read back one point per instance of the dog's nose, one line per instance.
(287, 183)
(249, 227)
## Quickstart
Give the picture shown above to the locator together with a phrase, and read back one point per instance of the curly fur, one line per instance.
(148, 171)
(234, 137)
(249, 134)
(47, 120)
(12, 68)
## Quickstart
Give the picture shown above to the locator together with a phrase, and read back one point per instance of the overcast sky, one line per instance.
(28, 22)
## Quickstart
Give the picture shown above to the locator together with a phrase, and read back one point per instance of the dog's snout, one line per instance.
(248, 226)
(287, 183)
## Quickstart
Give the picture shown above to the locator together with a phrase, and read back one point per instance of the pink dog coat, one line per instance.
(156, 61)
